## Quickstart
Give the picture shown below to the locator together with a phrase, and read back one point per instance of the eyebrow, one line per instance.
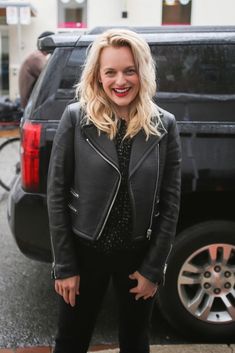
(126, 68)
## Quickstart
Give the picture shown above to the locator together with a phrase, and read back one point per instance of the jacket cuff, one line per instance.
(63, 271)
(155, 276)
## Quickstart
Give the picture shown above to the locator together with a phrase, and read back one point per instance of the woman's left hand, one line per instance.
(144, 288)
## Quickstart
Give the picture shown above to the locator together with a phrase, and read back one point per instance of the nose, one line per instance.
(120, 79)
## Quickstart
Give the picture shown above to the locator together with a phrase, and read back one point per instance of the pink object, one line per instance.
(72, 25)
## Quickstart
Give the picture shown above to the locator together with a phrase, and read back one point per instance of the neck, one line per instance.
(123, 118)
(122, 114)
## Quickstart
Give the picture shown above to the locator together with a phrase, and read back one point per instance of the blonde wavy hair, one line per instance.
(99, 109)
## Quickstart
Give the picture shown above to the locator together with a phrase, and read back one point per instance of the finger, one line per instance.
(66, 295)
(138, 296)
(134, 290)
(154, 292)
(77, 287)
(59, 289)
(56, 287)
(132, 276)
(147, 297)
(72, 297)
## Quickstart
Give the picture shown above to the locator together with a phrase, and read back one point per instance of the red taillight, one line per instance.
(30, 150)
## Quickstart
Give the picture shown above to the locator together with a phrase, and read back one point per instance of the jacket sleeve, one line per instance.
(154, 265)
(60, 177)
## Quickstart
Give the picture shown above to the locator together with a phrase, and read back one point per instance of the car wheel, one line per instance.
(198, 296)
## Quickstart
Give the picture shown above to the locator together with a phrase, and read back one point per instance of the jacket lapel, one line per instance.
(102, 143)
(139, 151)
(142, 147)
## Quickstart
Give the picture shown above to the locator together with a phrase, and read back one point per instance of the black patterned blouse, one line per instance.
(117, 231)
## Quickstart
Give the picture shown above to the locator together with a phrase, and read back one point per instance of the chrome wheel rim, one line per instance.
(206, 283)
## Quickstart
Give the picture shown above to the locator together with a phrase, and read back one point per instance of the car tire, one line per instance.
(198, 296)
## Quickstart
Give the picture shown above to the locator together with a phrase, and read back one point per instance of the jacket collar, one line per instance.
(102, 143)
(140, 146)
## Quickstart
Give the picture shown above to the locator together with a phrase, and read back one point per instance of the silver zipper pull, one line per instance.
(149, 232)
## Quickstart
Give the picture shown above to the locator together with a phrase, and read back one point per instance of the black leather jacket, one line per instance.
(84, 179)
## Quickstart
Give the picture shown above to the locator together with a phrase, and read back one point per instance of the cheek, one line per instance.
(107, 83)
(137, 84)
(137, 81)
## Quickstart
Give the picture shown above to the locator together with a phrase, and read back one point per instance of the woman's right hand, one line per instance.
(68, 288)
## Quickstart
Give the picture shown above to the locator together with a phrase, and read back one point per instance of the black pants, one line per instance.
(76, 324)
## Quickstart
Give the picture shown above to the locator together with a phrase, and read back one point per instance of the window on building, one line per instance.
(72, 13)
(176, 12)
(4, 63)
(2, 16)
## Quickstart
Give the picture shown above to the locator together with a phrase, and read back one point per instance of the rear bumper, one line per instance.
(28, 221)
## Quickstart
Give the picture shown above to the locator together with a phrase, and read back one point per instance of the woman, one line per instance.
(113, 194)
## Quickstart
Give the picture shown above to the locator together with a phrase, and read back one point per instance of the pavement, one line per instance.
(180, 348)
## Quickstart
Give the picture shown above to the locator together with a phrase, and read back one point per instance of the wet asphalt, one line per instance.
(28, 303)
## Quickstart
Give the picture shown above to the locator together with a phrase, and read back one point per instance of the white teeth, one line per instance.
(118, 90)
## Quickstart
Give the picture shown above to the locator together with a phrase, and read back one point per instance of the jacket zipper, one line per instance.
(167, 258)
(73, 208)
(53, 255)
(149, 231)
(165, 266)
(119, 182)
(74, 193)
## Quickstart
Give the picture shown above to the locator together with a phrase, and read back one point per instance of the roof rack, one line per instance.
(49, 43)
(167, 29)
(69, 39)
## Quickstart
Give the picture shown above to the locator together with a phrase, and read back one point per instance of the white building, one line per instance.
(21, 21)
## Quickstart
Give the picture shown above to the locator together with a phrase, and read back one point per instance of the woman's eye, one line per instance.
(131, 71)
(109, 73)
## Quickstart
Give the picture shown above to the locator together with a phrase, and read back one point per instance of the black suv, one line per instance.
(196, 80)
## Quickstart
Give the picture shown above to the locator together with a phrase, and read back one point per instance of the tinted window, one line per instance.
(42, 103)
(208, 69)
(71, 73)
(48, 81)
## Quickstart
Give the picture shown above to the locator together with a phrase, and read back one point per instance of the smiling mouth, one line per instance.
(120, 92)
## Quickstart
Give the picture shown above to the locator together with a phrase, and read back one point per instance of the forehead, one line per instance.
(114, 56)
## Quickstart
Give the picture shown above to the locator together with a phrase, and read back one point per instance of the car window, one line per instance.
(198, 69)
(71, 73)
(47, 84)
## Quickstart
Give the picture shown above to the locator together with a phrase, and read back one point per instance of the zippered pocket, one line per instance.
(72, 208)
(73, 202)
(157, 211)
(74, 193)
